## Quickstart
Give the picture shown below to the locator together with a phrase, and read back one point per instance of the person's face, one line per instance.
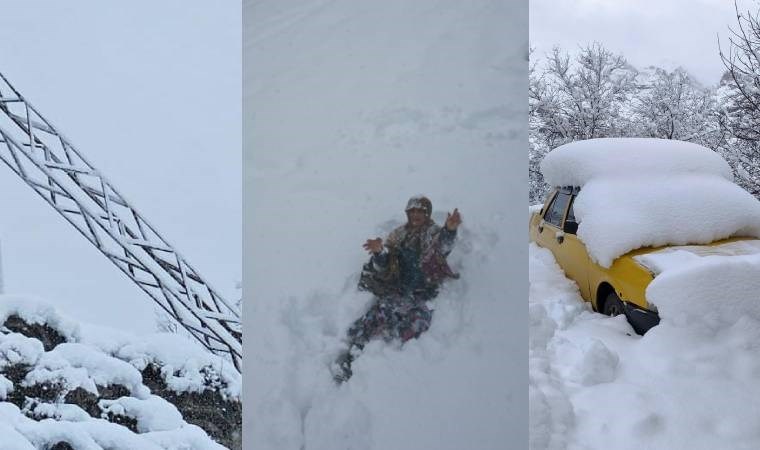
(416, 217)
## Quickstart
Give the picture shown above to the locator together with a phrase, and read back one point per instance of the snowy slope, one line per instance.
(67, 385)
(692, 382)
(351, 108)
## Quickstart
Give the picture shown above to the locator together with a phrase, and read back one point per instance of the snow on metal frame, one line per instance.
(49, 164)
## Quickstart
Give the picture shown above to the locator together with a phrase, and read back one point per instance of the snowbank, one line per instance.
(617, 215)
(577, 163)
(65, 382)
(692, 382)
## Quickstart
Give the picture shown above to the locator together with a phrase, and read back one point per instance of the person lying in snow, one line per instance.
(403, 276)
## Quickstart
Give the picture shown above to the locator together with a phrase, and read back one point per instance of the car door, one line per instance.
(551, 222)
(570, 251)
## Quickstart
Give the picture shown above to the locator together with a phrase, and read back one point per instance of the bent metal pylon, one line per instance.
(34, 149)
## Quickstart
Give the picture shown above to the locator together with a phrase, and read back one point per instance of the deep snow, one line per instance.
(691, 382)
(352, 108)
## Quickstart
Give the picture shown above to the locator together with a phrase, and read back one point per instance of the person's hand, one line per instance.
(453, 220)
(374, 245)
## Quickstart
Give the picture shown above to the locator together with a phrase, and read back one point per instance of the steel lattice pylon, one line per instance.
(50, 165)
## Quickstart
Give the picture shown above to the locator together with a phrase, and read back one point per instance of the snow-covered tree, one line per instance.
(739, 95)
(583, 97)
(576, 98)
(537, 144)
(672, 105)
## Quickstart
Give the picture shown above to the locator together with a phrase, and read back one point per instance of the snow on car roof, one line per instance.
(577, 163)
(617, 215)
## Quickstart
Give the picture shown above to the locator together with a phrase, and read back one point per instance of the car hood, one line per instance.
(658, 260)
(715, 286)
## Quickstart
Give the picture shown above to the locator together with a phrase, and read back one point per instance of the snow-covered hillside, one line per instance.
(692, 382)
(65, 385)
(352, 108)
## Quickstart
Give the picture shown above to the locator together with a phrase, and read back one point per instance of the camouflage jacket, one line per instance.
(414, 261)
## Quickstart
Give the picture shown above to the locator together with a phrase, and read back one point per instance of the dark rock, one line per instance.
(219, 417)
(85, 400)
(48, 336)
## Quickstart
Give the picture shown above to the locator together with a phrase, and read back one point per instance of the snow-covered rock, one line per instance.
(70, 385)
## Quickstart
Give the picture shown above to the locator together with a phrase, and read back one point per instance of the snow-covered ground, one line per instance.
(351, 108)
(692, 382)
(63, 382)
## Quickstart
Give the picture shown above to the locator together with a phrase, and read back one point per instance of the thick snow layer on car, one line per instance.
(617, 215)
(715, 291)
(692, 382)
(680, 256)
(577, 163)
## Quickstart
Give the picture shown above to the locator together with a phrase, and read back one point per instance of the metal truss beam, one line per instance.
(34, 149)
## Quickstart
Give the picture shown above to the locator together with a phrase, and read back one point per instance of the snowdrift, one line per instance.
(691, 382)
(66, 385)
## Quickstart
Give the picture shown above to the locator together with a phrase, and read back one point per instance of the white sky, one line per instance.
(668, 33)
(150, 93)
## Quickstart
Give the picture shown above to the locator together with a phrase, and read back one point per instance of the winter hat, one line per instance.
(420, 202)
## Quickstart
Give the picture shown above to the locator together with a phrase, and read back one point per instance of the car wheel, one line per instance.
(613, 306)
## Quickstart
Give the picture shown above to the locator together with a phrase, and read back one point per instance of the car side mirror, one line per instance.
(570, 227)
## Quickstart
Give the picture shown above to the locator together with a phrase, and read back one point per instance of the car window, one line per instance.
(571, 216)
(556, 212)
(548, 206)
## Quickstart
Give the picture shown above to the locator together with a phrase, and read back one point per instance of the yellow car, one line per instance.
(618, 289)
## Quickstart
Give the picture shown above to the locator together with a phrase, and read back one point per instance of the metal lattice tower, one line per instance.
(49, 164)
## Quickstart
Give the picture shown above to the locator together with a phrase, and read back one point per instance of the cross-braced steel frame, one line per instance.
(34, 149)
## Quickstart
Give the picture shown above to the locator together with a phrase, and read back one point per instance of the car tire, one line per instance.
(613, 306)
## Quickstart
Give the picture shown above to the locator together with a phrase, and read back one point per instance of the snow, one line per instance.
(95, 358)
(620, 214)
(714, 291)
(184, 367)
(18, 349)
(577, 163)
(152, 413)
(358, 108)
(85, 366)
(640, 192)
(35, 311)
(690, 382)
(680, 255)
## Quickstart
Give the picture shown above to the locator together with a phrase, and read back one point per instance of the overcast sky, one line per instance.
(149, 92)
(668, 33)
